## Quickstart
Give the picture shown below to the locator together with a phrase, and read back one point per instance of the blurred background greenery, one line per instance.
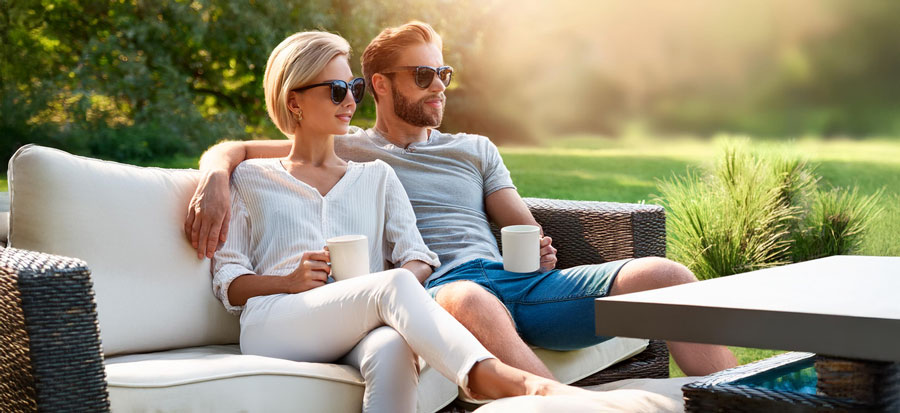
(141, 80)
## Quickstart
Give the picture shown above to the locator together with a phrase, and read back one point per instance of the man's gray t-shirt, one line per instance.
(446, 178)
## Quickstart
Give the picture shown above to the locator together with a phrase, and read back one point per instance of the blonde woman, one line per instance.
(273, 269)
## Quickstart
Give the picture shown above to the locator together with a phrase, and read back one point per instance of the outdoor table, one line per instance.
(845, 308)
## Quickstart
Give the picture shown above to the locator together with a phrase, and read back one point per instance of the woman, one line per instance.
(273, 268)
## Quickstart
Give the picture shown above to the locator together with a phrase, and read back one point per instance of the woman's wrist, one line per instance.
(287, 285)
(420, 269)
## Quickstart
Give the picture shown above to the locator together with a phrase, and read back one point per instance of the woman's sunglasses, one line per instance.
(339, 88)
(424, 75)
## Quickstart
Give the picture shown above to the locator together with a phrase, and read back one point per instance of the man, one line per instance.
(457, 184)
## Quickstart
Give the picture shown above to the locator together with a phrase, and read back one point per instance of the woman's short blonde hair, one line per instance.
(294, 63)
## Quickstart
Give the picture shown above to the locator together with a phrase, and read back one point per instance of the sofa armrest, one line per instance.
(50, 354)
(588, 232)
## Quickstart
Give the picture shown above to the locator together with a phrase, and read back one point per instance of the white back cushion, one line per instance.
(126, 222)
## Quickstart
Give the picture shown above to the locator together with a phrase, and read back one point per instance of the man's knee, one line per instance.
(465, 298)
(671, 272)
(654, 272)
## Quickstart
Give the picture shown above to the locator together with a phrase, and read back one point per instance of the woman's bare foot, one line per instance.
(540, 386)
(492, 379)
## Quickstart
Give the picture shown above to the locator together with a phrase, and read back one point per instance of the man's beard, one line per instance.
(414, 113)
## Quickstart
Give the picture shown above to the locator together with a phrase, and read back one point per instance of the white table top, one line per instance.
(846, 306)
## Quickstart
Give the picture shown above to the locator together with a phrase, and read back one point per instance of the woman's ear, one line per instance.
(293, 102)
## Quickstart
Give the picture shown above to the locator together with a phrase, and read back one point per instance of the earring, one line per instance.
(298, 115)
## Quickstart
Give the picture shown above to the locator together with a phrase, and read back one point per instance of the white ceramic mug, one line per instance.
(349, 256)
(521, 248)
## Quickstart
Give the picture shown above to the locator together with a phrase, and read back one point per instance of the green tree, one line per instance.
(135, 80)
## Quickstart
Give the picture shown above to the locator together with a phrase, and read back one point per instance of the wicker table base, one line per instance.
(842, 385)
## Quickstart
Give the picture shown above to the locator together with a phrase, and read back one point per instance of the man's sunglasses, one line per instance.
(339, 89)
(424, 75)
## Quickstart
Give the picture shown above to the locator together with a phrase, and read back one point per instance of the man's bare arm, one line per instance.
(209, 211)
(505, 207)
(226, 156)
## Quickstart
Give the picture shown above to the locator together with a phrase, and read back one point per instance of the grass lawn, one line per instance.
(589, 168)
(626, 170)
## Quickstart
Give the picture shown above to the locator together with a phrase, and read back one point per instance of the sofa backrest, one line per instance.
(126, 222)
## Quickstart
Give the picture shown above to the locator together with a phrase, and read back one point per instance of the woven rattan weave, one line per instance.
(50, 347)
(842, 386)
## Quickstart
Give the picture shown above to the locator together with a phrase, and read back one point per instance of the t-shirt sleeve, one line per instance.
(232, 260)
(402, 240)
(495, 174)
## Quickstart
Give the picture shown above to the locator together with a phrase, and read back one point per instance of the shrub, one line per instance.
(836, 224)
(752, 211)
(733, 220)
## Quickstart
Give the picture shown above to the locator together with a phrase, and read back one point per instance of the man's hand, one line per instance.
(505, 207)
(209, 213)
(548, 254)
(312, 272)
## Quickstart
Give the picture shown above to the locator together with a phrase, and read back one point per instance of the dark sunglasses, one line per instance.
(424, 75)
(339, 88)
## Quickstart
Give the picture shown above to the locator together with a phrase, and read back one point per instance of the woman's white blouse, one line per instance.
(275, 218)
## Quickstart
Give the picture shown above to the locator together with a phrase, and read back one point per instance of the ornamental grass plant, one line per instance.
(836, 224)
(755, 209)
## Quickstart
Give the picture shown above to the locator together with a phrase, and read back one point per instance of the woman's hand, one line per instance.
(311, 273)
(209, 213)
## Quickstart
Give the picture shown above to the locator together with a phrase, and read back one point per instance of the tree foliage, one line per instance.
(135, 80)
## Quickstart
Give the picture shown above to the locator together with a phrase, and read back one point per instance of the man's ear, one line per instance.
(381, 85)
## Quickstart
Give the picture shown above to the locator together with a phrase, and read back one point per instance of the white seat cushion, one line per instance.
(126, 222)
(632, 396)
(571, 366)
(219, 379)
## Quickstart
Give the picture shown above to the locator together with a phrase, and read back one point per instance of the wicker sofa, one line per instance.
(167, 344)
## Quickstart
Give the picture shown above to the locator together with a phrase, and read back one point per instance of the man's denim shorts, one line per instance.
(554, 309)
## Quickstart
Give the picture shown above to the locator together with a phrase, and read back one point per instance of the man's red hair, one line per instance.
(382, 52)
